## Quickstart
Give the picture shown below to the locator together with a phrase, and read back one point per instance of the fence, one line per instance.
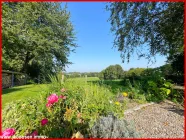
(10, 79)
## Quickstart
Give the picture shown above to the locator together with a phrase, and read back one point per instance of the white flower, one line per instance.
(110, 102)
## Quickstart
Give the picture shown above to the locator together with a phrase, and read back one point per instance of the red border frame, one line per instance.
(92, 1)
(1, 65)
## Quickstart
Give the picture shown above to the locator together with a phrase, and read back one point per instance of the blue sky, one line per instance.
(95, 51)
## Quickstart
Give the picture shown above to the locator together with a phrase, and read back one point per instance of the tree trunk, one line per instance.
(25, 65)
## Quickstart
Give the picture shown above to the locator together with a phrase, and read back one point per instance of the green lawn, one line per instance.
(33, 90)
(21, 92)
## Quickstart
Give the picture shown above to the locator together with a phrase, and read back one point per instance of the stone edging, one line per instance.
(128, 111)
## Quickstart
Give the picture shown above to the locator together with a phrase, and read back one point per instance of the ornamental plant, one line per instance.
(112, 127)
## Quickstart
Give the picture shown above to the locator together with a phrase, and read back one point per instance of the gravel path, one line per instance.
(163, 120)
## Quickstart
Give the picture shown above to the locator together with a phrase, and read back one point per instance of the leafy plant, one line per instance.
(111, 127)
(135, 92)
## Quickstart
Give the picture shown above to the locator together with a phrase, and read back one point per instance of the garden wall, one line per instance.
(10, 79)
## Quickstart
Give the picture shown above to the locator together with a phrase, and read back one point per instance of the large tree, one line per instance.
(37, 37)
(156, 25)
(112, 72)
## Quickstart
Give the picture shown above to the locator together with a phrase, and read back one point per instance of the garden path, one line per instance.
(163, 120)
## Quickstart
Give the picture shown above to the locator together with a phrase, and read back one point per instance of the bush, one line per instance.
(111, 127)
(150, 88)
(135, 91)
(23, 115)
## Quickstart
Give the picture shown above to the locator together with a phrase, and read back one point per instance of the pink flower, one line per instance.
(63, 90)
(9, 132)
(48, 105)
(35, 133)
(52, 99)
(79, 115)
(62, 97)
(44, 121)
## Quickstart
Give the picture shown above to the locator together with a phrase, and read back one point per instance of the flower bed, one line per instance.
(68, 110)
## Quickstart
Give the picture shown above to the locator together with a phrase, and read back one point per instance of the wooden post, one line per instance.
(25, 79)
(86, 78)
(12, 80)
(62, 77)
(38, 79)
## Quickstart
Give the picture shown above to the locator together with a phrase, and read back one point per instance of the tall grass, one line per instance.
(92, 99)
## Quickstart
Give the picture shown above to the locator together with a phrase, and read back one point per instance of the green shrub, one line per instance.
(150, 88)
(158, 90)
(135, 92)
(23, 115)
(177, 96)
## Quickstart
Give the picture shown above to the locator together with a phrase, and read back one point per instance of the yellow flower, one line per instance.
(68, 114)
(125, 94)
(23, 105)
(117, 103)
(49, 110)
(77, 135)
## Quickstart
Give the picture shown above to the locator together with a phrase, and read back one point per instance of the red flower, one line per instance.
(9, 132)
(44, 122)
(35, 133)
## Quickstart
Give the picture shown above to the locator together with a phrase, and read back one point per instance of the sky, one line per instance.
(95, 41)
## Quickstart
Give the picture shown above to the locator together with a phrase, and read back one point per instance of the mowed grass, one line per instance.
(33, 90)
(22, 92)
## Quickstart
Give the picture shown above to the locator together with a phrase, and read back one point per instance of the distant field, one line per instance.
(22, 92)
(84, 79)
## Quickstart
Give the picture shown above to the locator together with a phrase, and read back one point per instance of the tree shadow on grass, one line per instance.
(10, 90)
(175, 109)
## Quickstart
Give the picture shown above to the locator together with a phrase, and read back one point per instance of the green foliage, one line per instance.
(112, 72)
(23, 115)
(81, 74)
(101, 75)
(137, 25)
(134, 72)
(115, 86)
(177, 96)
(84, 104)
(37, 37)
(135, 91)
(177, 62)
(151, 84)
(158, 91)
(166, 69)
